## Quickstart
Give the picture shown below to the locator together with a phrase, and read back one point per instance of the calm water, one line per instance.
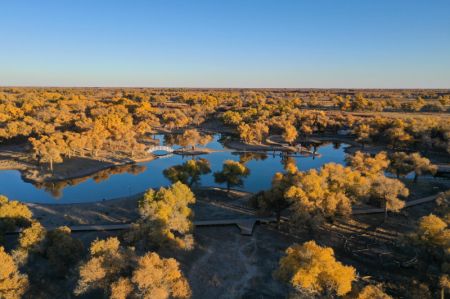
(127, 180)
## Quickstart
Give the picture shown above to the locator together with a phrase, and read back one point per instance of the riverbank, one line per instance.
(124, 209)
(16, 157)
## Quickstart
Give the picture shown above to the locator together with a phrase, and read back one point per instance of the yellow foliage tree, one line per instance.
(121, 274)
(166, 218)
(387, 192)
(232, 174)
(156, 277)
(13, 284)
(13, 214)
(31, 237)
(326, 193)
(289, 133)
(421, 165)
(433, 231)
(373, 292)
(310, 268)
(368, 165)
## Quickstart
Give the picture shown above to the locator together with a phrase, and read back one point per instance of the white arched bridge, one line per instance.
(160, 148)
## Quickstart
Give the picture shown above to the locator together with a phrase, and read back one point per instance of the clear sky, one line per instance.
(229, 43)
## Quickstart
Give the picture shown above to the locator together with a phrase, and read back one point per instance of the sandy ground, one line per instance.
(225, 264)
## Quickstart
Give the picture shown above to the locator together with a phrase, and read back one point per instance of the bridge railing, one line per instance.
(160, 148)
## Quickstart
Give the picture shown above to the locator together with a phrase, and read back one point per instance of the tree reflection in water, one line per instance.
(56, 188)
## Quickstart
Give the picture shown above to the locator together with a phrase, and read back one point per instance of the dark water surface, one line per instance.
(128, 180)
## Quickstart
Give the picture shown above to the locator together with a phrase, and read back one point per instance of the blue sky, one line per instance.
(232, 43)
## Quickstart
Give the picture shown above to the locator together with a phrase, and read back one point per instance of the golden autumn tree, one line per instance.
(289, 133)
(373, 292)
(325, 194)
(48, 149)
(156, 277)
(400, 164)
(13, 284)
(31, 237)
(165, 217)
(397, 135)
(246, 133)
(367, 164)
(190, 137)
(421, 165)
(13, 214)
(261, 131)
(313, 269)
(232, 174)
(433, 231)
(107, 262)
(362, 132)
(387, 193)
(121, 274)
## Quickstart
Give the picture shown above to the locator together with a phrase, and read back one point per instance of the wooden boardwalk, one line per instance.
(246, 225)
(407, 205)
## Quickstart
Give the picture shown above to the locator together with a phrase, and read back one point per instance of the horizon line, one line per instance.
(230, 88)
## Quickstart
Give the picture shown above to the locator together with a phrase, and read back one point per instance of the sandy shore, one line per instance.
(124, 209)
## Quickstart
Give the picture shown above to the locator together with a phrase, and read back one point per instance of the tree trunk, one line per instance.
(442, 293)
(278, 219)
(385, 212)
(51, 165)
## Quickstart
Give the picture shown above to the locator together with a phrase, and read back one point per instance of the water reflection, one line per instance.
(56, 188)
(129, 179)
(246, 157)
